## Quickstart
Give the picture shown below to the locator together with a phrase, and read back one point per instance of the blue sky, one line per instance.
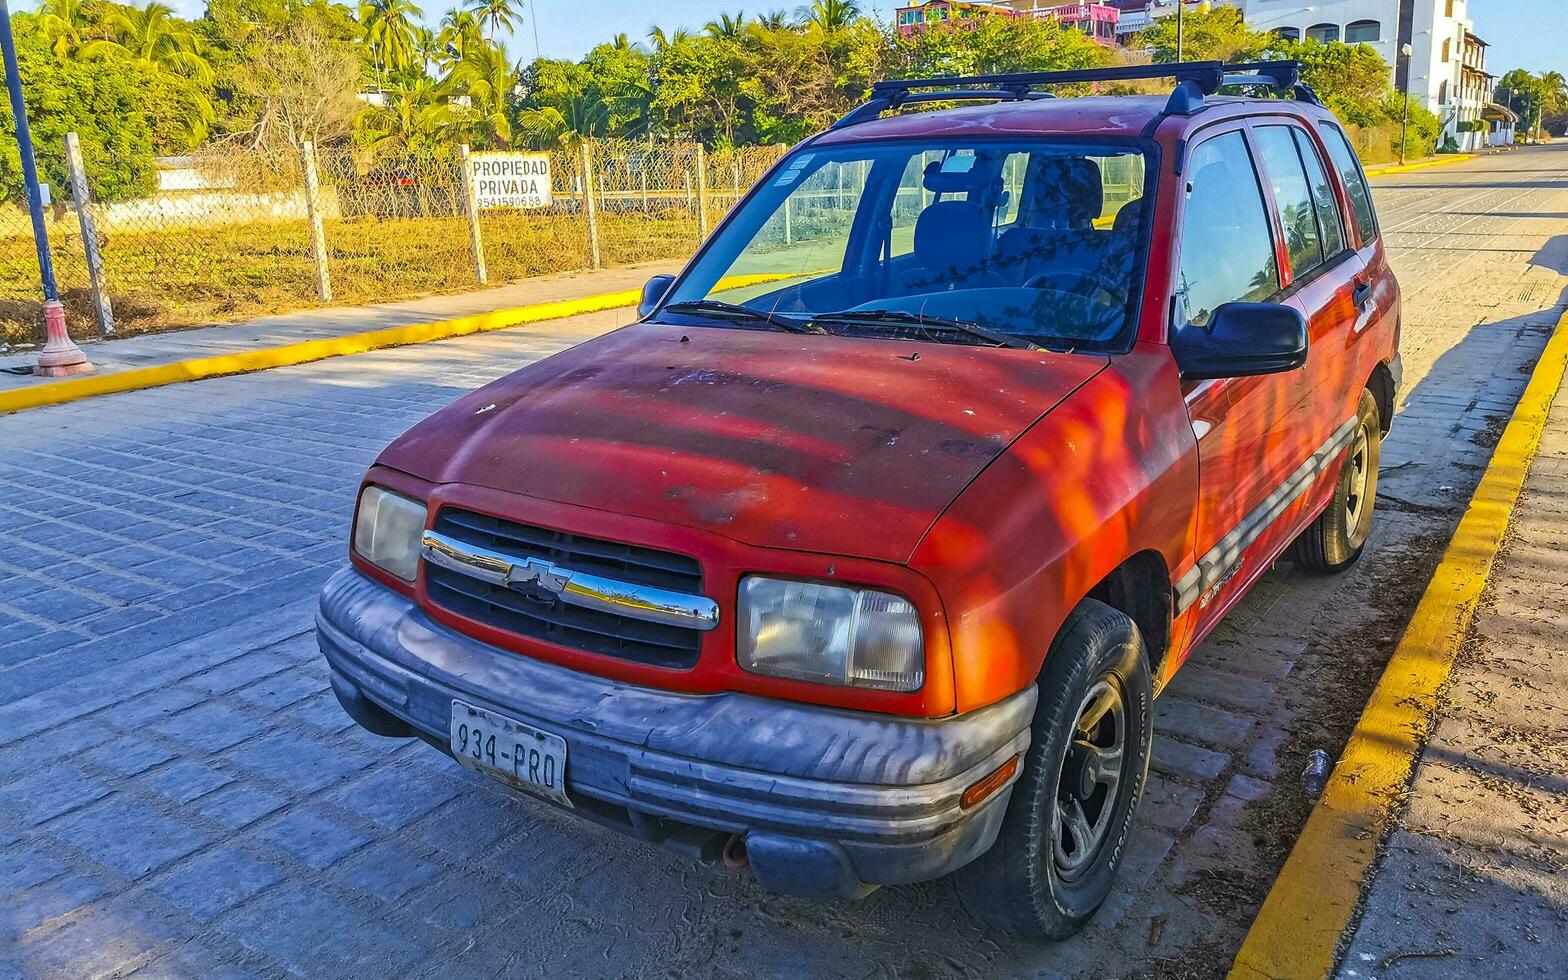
(1531, 34)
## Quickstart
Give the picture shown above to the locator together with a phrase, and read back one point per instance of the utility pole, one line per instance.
(1404, 123)
(60, 356)
(1180, 6)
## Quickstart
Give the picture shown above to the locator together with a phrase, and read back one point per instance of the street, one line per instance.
(180, 794)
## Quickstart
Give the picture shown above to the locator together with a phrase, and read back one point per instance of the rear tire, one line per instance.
(1070, 817)
(1334, 541)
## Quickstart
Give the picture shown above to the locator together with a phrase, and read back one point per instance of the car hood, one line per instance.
(819, 443)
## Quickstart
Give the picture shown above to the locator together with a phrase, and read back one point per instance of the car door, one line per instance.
(1326, 280)
(1227, 251)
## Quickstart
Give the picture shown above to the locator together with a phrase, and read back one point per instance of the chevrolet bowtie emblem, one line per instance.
(537, 579)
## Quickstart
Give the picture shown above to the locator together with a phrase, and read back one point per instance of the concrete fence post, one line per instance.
(476, 240)
(702, 192)
(595, 259)
(318, 233)
(84, 214)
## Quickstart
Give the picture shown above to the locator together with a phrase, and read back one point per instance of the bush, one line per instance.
(102, 101)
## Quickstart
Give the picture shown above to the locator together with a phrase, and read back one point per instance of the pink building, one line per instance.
(1098, 20)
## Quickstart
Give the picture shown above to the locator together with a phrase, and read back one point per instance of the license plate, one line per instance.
(517, 754)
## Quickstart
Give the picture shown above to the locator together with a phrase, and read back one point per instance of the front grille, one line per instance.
(558, 622)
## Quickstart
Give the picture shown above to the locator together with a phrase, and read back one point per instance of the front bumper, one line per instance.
(831, 802)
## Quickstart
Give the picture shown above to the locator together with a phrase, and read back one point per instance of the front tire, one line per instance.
(1070, 816)
(1334, 541)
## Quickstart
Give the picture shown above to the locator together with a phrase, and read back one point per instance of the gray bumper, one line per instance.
(830, 801)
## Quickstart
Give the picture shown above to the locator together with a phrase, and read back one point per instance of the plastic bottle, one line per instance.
(1315, 776)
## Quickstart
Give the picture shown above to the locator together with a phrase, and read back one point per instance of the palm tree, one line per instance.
(496, 13)
(829, 15)
(64, 23)
(566, 125)
(152, 36)
(460, 31)
(389, 31)
(727, 27)
(661, 40)
(414, 118)
(427, 47)
(773, 20)
(487, 77)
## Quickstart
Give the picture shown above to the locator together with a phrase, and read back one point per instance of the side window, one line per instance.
(1292, 199)
(1323, 197)
(1227, 251)
(1349, 167)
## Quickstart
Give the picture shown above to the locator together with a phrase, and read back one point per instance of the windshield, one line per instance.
(1037, 240)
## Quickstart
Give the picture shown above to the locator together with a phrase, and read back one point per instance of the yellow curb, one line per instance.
(195, 369)
(1442, 162)
(1298, 929)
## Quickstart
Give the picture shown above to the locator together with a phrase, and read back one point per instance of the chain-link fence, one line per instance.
(229, 232)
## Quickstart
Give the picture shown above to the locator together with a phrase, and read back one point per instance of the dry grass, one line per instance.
(190, 276)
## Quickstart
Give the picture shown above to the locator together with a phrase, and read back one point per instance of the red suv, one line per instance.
(860, 558)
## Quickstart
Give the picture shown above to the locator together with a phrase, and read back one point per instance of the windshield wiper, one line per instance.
(718, 308)
(932, 322)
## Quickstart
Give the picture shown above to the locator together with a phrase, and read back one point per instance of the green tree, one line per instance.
(498, 14)
(486, 77)
(389, 33)
(103, 102)
(1221, 34)
(152, 35)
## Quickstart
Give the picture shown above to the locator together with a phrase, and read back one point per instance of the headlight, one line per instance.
(388, 530)
(830, 635)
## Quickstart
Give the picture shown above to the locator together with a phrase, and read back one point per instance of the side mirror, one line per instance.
(1241, 340)
(652, 291)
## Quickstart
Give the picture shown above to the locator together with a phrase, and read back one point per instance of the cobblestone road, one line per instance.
(181, 796)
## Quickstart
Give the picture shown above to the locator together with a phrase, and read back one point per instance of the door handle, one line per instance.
(1362, 294)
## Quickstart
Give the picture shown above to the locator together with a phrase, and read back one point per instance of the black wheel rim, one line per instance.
(1093, 767)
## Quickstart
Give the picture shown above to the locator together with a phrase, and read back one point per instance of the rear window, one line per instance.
(1345, 161)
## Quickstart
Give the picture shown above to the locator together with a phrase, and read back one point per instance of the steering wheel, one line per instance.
(1114, 291)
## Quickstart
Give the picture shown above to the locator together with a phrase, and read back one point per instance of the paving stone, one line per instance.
(185, 781)
(191, 961)
(239, 806)
(22, 912)
(312, 839)
(305, 929)
(303, 764)
(139, 712)
(471, 826)
(323, 712)
(101, 940)
(21, 869)
(130, 755)
(216, 881)
(211, 727)
(51, 792)
(282, 690)
(1201, 723)
(1168, 804)
(237, 673)
(388, 870)
(1189, 761)
(128, 837)
(395, 798)
(1229, 689)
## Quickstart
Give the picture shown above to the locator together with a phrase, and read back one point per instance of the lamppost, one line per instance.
(60, 356)
(1404, 123)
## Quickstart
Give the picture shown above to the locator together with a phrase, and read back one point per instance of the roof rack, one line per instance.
(1194, 81)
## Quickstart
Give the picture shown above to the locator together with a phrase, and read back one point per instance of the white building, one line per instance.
(1446, 71)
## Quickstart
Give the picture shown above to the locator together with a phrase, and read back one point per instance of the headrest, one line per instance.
(952, 235)
(1063, 191)
(1128, 216)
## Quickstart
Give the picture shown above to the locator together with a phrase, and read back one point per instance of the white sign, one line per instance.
(512, 180)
